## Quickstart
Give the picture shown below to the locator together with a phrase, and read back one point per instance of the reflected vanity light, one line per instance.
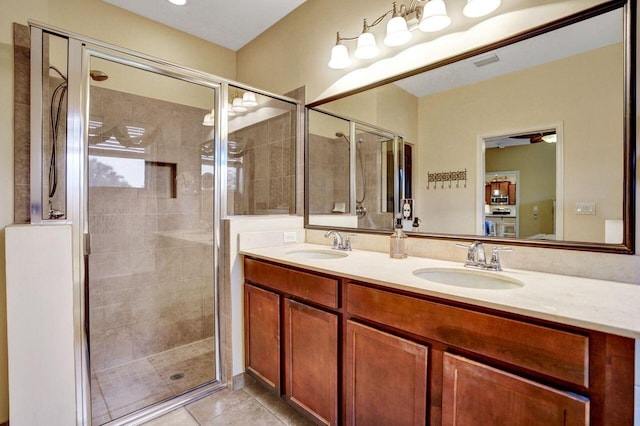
(178, 2)
(209, 119)
(553, 138)
(425, 15)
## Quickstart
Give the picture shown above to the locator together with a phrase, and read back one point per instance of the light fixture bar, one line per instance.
(425, 15)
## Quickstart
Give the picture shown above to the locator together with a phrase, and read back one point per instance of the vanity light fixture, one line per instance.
(210, 119)
(367, 47)
(178, 2)
(552, 138)
(434, 16)
(477, 8)
(249, 99)
(425, 15)
(397, 29)
(236, 105)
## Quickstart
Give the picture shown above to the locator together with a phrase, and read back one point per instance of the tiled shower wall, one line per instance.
(328, 174)
(262, 165)
(21, 102)
(329, 178)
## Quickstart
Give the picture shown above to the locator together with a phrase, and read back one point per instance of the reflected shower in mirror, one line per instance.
(569, 81)
(354, 173)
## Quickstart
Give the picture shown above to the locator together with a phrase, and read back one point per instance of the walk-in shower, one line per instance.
(143, 158)
(122, 155)
(354, 188)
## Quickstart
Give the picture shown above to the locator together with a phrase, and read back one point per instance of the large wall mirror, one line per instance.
(530, 142)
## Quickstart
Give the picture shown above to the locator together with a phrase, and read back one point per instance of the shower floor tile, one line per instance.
(126, 388)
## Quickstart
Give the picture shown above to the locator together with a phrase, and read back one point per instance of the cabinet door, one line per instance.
(476, 394)
(311, 360)
(385, 378)
(262, 335)
(512, 193)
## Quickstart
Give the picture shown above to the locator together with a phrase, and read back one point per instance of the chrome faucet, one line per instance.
(337, 239)
(340, 243)
(476, 257)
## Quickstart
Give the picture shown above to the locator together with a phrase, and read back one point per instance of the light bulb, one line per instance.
(434, 16)
(397, 32)
(367, 47)
(339, 57)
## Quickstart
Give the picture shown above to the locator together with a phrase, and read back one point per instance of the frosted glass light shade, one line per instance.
(434, 16)
(367, 47)
(178, 2)
(249, 99)
(236, 106)
(477, 8)
(230, 112)
(210, 119)
(339, 57)
(397, 32)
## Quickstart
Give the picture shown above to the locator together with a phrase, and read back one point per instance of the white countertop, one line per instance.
(600, 305)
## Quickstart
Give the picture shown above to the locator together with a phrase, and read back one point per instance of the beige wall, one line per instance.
(452, 121)
(101, 21)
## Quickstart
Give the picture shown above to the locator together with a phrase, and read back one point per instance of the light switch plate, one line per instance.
(586, 208)
(290, 237)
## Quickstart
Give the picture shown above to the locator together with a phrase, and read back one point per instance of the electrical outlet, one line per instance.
(290, 237)
(586, 208)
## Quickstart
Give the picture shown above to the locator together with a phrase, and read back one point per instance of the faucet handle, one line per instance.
(347, 241)
(494, 263)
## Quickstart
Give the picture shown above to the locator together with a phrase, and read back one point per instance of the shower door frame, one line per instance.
(80, 50)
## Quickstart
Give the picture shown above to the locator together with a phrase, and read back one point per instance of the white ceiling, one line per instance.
(228, 23)
(584, 36)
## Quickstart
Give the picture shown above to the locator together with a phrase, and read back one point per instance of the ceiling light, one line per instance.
(477, 8)
(553, 138)
(237, 106)
(209, 119)
(339, 55)
(249, 99)
(397, 31)
(434, 16)
(178, 2)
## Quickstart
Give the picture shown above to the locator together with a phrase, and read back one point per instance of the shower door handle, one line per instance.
(87, 244)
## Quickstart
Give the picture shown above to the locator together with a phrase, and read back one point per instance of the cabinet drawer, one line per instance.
(555, 353)
(314, 288)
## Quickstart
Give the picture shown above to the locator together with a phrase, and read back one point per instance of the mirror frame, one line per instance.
(629, 133)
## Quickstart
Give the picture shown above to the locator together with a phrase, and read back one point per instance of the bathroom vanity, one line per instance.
(361, 340)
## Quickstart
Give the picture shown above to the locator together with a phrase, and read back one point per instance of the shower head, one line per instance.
(339, 134)
(97, 75)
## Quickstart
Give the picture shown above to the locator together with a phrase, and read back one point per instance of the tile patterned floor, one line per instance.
(253, 405)
(123, 389)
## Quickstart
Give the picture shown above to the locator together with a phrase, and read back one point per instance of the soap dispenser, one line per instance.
(399, 240)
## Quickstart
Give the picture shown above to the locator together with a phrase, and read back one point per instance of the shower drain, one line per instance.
(176, 376)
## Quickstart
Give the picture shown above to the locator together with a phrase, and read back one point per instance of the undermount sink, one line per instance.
(468, 278)
(317, 254)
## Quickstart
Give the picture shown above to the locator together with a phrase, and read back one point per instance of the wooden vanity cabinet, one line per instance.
(385, 378)
(300, 307)
(361, 354)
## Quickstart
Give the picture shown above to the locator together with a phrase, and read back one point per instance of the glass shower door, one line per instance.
(151, 223)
